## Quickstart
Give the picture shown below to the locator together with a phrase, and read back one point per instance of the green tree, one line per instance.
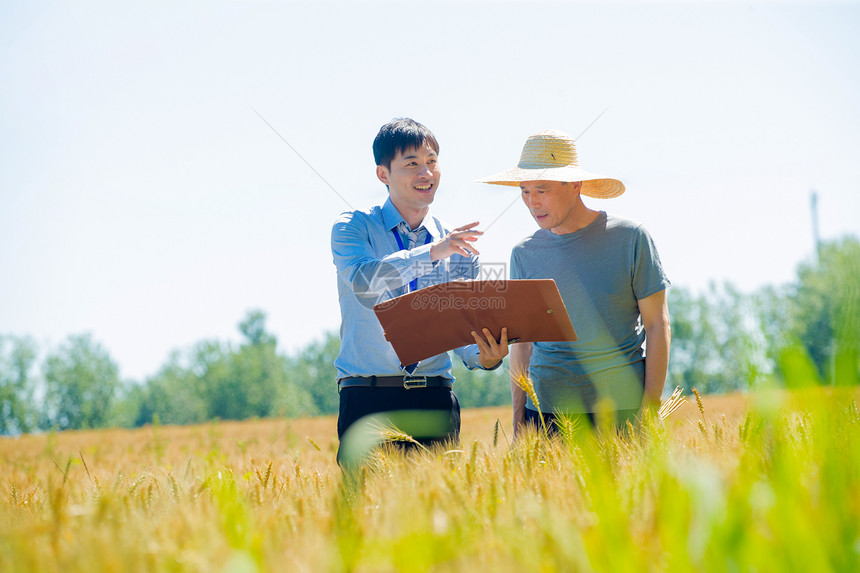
(718, 344)
(742, 345)
(171, 396)
(18, 412)
(81, 381)
(312, 370)
(216, 380)
(825, 310)
(253, 328)
(213, 379)
(772, 311)
(481, 388)
(263, 374)
(694, 341)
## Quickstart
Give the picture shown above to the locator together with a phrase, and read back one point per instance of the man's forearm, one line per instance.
(658, 340)
(655, 318)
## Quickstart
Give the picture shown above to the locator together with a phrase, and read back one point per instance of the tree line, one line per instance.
(722, 340)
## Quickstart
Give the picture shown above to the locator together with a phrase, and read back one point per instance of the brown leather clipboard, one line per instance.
(439, 318)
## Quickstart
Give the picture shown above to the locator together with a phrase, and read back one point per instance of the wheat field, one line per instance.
(759, 482)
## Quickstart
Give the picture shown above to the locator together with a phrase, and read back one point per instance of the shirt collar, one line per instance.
(391, 217)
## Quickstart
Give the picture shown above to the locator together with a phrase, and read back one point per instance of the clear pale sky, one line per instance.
(143, 200)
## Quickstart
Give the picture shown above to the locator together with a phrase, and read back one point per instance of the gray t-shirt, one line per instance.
(601, 272)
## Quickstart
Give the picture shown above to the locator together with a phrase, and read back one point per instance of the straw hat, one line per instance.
(551, 156)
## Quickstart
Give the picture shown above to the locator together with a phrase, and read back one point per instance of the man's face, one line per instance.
(412, 178)
(551, 203)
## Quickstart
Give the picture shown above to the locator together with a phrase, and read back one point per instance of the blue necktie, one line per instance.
(411, 241)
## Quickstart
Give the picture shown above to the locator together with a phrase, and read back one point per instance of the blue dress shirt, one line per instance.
(371, 268)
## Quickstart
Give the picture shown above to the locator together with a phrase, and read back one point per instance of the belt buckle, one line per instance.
(410, 382)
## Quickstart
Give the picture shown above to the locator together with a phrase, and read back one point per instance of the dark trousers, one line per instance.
(552, 421)
(356, 402)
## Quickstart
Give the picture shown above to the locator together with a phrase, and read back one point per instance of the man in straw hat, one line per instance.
(610, 278)
(388, 251)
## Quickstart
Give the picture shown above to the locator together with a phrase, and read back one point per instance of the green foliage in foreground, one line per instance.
(777, 491)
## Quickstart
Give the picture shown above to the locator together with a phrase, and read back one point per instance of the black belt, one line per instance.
(408, 382)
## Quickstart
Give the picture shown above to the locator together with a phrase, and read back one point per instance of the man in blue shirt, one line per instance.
(388, 251)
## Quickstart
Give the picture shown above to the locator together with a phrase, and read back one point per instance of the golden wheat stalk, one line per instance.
(389, 433)
(525, 383)
(700, 405)
(675, 401)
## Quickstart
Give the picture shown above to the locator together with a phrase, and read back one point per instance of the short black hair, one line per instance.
(397, 136)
